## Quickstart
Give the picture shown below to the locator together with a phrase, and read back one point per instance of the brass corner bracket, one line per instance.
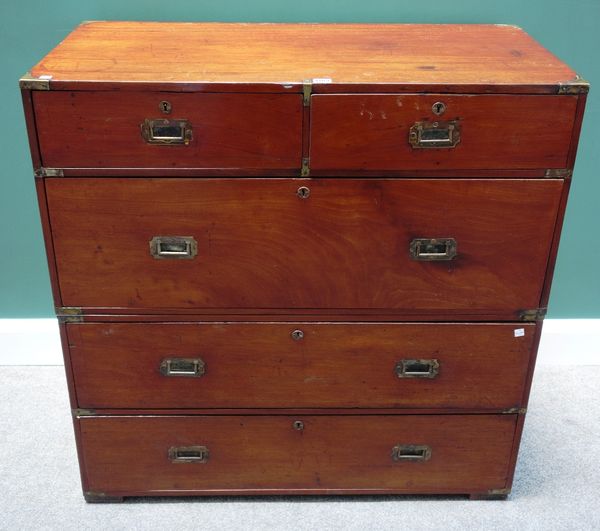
(306, 92)
(100, 497)
(28, 82)
(558, 173)
(578, 85)
(69, 314)
(49, 172)
(305, 170)
(515, 411)
(79, 412)
(536, 314)
(498, 494)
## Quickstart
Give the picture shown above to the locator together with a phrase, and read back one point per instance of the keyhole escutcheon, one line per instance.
(165, 107)
(303, 192)
(439, 107)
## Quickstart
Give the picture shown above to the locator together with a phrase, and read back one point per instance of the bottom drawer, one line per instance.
(142, 455)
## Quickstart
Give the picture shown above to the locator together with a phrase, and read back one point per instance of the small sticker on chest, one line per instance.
(519, 332)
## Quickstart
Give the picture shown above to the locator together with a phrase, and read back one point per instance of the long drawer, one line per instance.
(440, 131)
(169, 130)
(299, 365)
(408, 245)
(262, 454)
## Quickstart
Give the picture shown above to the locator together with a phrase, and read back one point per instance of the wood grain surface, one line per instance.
(496, 57)
(261, 246)
(102, 129)
(469, 453)
(370, 132)
(260, 365)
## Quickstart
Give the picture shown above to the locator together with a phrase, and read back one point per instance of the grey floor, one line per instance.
(557, 483)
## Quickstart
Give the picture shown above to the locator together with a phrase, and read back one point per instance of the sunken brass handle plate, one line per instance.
(417, 368)
(189, 454)
(434, 134)
(178, 247)
(411, 452)
(432, 249)
(166, 131)
(186, 367)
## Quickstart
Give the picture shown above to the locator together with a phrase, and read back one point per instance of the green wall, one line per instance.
(30, 28)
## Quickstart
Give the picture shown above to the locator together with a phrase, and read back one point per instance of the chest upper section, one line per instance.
(299, 99)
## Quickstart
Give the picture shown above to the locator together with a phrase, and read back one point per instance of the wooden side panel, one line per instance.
(26, 96)
(40, 188)
(555, 242)
(261, 246)
(102, 129)
(563, 203)
(260, 365)
(371, 132)
(64, 341)
(129, 455)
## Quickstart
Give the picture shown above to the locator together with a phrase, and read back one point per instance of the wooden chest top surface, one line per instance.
(189, 56)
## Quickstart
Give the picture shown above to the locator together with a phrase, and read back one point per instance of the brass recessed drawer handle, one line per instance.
(166, 131)
(432, 249)
(417, 368)
(411, 452)
(434, 134)
(182, 247)
(186, 367)
(189, 454)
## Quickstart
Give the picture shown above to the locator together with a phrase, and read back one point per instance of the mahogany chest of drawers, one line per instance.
(300, 259)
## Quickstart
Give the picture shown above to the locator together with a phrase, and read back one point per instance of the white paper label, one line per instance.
(322, 80)
(519, 332)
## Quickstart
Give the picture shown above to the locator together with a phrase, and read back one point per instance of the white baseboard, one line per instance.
(30, 342)
(570, 342)
(37, 342)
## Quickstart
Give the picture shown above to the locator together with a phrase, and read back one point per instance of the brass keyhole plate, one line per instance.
(438, 108)
(303, 192)
(165, 107)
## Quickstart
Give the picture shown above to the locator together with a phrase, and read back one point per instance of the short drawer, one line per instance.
(299, 365)
(411, 245)
(169, 130)
(245, 454)
(432, 132)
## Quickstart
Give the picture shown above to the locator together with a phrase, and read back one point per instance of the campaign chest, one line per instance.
(300, 258)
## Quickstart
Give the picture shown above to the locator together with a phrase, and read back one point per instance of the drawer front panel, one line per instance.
(451, 453)
(104, 130)
(267, 365)
(371, 132)
(349, 244)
